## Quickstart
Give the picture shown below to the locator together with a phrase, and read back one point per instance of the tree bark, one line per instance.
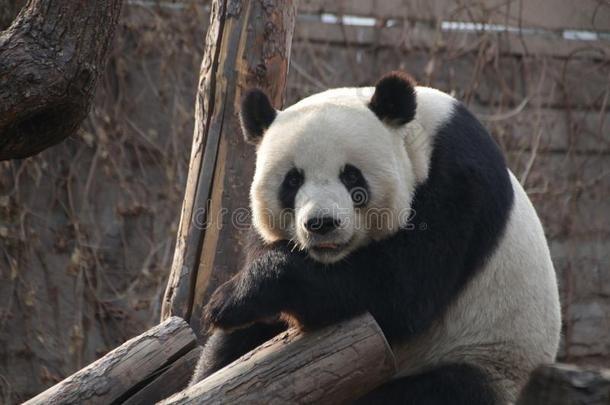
(50, 60)
(119, 373)
(247, 45)
(171, 380)
(564, 384)
(333, 365)
(8, 11)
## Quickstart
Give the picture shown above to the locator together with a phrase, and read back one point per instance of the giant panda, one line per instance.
(395, 200)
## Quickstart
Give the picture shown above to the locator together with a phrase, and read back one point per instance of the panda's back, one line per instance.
(506, 320)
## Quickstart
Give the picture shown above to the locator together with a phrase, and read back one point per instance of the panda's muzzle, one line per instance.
(322, 225)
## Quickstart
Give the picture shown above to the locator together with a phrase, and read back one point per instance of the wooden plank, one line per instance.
(255, 52)
(329, 366)
(113, 376)
(248, 45)
(178, 294)
(546, 14)
(422, 36)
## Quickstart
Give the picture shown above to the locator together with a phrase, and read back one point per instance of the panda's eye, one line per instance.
(293, 182)
(351, 176)
(355, 183)
(294, 179)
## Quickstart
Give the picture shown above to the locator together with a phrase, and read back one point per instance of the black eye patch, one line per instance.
(356, 185)
(291, 184)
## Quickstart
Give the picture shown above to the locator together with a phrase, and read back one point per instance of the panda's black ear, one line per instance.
(256, 115)
(394, 100)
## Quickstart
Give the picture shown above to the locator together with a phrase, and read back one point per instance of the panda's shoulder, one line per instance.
(455, 134)
(465, 164)
(434, 108)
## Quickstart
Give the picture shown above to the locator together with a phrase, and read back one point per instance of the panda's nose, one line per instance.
(322, 225)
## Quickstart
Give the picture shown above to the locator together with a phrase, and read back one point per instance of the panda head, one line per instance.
(332, 172)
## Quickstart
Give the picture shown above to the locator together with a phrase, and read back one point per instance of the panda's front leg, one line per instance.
(224, 347)
(288, 283)
(254, 294)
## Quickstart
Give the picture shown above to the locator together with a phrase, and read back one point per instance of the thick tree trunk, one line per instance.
(330, 366)
(50, 59)
(118, 374)
(8, 11)
(247, 45)
(564, 384)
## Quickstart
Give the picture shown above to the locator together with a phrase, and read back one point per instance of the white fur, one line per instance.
(434, 108)
(507, 320)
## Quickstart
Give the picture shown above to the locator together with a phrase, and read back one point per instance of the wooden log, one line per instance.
(565, 384)
(333, 365)
(119, 373)
(50, 60)
(170, 380)
(247, 45)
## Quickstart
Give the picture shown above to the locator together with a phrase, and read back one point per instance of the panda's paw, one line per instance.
(228, 309)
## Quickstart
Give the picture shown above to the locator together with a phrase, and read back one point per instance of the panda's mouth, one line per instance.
(328, 246)
(328, 249)
(329, 252)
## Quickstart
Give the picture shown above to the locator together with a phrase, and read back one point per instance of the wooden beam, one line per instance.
(115, 376)
(333, 365)
(247, 45)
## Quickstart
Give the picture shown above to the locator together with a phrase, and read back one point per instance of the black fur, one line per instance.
(356, 184)
(256, 115)
(454, 384)
(405, 281)
(394, 100)
(290, 186)
(322, 225)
